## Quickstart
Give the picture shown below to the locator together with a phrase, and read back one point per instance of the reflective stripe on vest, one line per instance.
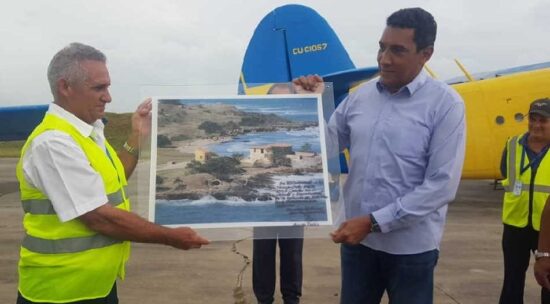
(525, 187)
(512, 171)
(512, 165)
(44, 206)
(69, 245)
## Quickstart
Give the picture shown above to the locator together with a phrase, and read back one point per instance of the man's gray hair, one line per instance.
(66, 64)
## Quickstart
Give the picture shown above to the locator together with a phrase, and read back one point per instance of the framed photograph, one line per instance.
(239, 161)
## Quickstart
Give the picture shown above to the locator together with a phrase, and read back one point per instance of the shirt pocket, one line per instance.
(407, 140)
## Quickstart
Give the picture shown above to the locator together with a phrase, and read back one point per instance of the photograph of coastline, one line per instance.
(239, 161)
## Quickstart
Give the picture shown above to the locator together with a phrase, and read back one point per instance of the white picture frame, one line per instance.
(239, 161)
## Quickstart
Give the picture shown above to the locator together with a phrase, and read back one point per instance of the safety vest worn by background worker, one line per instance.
(517, 210)
(66, 262)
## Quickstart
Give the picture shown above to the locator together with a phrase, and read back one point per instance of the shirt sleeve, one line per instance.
(442, 176)
(338, 132)
(58, 167)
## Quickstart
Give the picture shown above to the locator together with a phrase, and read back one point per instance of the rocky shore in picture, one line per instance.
(223, 152)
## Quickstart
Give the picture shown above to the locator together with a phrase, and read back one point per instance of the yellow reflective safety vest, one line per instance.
(66, 262)
(523, 206)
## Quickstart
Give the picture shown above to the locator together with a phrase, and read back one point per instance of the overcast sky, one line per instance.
(197, 42)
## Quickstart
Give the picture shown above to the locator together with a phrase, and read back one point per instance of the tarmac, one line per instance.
(469, 270)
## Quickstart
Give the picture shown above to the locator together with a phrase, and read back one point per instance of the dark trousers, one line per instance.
(367, 273)
(263, 269)
(111, 298)
(517, 246)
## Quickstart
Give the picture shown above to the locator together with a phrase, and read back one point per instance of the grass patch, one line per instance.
(117, 130)
(11, 148)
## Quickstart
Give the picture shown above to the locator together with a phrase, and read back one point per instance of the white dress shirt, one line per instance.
(56, 165)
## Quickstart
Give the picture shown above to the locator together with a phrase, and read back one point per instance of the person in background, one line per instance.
(542, 254)
(73, 191)
(264, 248)
(526, 170)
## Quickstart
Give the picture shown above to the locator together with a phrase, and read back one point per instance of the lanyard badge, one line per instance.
(517, 188)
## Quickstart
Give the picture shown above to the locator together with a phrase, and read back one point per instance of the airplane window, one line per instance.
(519, 117)
(499, 120)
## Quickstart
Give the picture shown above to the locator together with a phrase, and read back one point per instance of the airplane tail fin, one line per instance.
(291, 41)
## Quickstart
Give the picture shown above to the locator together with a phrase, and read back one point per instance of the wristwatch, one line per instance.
(374, 227)
(541, 254)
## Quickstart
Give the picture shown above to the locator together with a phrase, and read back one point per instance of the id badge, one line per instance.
(517, 188)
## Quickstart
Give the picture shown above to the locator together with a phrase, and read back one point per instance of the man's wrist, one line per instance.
(541, 254)
(130, 149)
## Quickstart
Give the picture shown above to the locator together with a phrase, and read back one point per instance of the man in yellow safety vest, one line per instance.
(526, 169)
(73, 190)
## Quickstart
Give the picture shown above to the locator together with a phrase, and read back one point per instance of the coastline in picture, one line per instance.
(239, 162)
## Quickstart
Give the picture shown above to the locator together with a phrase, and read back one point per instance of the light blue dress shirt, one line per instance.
(407, 151)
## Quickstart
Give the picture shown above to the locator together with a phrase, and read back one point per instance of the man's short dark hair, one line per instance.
(423, 23)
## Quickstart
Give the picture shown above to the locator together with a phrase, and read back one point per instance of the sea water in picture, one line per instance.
(239, 161)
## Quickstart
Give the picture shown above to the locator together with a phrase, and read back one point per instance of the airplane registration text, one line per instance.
(310, 48)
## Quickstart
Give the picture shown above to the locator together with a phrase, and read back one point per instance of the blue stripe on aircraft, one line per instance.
(17, 123)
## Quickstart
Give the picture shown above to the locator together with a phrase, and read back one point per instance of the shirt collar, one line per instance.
(84, 128)
(410, 88)
(523, 142)
(523, 139)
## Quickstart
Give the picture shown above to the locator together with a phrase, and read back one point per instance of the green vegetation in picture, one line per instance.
(231, 126)
(210, 127)
(262, 180)
(221, 167)
(180, 137)
(280, 159)
(258, 119)
(252, 121)
(305, 147)
(163, 141)
(237, 156)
